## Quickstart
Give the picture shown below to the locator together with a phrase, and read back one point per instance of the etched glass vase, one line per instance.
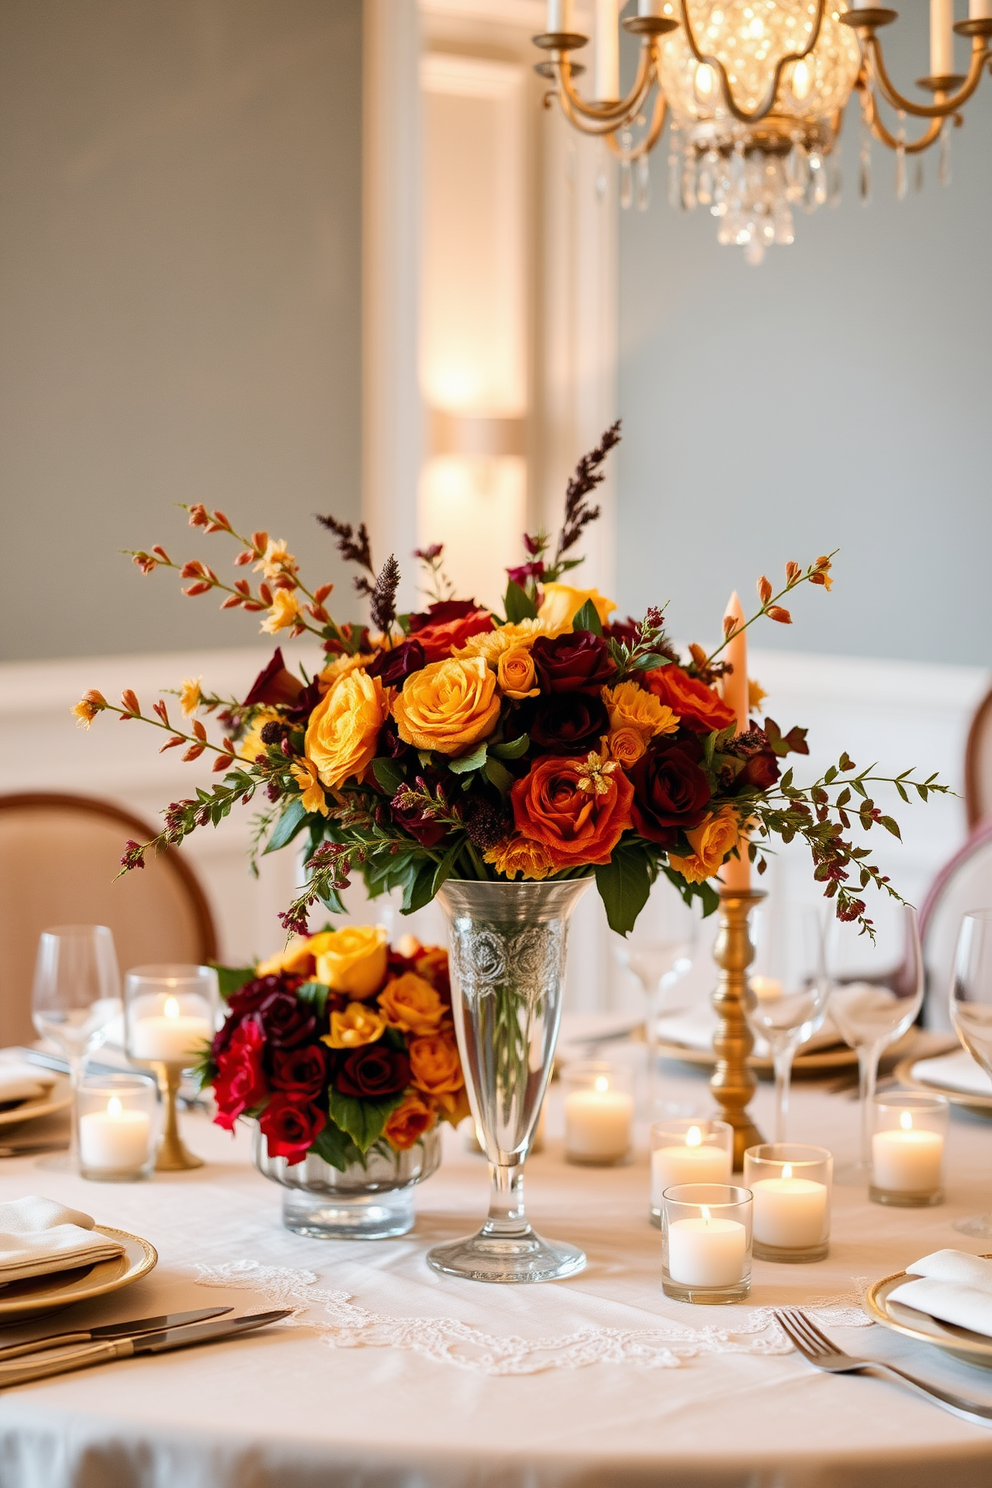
(507, 945)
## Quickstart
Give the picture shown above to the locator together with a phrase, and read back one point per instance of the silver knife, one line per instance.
(16, 1373)
(111, 1330)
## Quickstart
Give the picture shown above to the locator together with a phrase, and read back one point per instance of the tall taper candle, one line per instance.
(560, 15)
(606, 61)
(736, 873)
(980, 10)
(941, 38)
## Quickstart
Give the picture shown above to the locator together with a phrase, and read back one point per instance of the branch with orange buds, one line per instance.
(817, 573)
(94, 702)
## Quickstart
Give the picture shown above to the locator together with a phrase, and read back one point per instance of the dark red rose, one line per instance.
(276, 685)
(290, 1124)
(240, 1080)
(303, 1070)
(242, 1003)
(670, 791)
(569, 723)
(374, 1070)
(579, 662)
(393, 667)
(441, 613)
(306, 702)
(286, 1021)
(627, 632)
(760, 771)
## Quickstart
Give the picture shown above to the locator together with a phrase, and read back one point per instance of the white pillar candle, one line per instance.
(597, 1123)
(172, 1038)
(706, 1251)
(692, 1161)
(907, 1160)
(980, 10)
(606, 56)
(941, 38)
(560, 15)
(116, 1139)
(789, 1213)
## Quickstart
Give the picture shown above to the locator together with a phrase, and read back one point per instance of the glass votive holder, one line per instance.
(688, 1149)
(907, 1150)
(169, 1013)
(599, 1111)
(706, 1242)
(119, 1122)
(791, 1185)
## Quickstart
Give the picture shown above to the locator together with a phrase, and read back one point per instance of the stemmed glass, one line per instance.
(971, 1015)
(659, 952)
(877, 1008)
(787, 990)
(76, 996)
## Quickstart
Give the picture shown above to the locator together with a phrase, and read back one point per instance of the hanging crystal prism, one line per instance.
(625, 141)
(901, 158)
(918, 175)
(642, 184)
(944, 167)
(602, 180)
(675, 167)
(864, 184)
(834, 182)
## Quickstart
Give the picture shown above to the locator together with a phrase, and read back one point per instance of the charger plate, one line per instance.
(973, 1348)
(37, 1294)
(818, 1061)
(970, 1100)
(59, 1098)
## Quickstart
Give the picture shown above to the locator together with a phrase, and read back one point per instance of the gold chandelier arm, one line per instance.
(602, 118)
(944, 104)
(764, 108)
(649, 140)
(885, 137)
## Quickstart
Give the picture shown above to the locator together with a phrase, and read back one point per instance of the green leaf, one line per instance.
(473, 761)
(499, 775)
(650, 661)
(388, 774)
(587, 618)
(287, 826)
(332, 900)
(362, 1120)
(624, 884)
(511, 750)
(418, 890)
(444, 868)
(336, 1147)
(315, 992)
(230, 978)
(891, 825)
(518, 604)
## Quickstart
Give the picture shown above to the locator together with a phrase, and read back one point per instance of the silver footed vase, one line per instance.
(507, 944)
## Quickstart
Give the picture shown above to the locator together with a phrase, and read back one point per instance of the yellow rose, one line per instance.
(515, 674)
(630, 706)
(296, 959)
(710, 843)
(626, 745)
(344, 728)
(351, 960)
(356, 1026)
(341, 666)
(448, 706)
(561, 604)
(520, 855)
(411, 1004)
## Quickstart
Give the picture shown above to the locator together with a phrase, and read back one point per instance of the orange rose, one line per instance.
(431, 962)
(626, 745)
(344, 728)
(340, 666)
(697, 705)
(409, 1003)
(711, 842)
(407, 1124)
(520, 855)
(577, 809)
(515, 674)
(452, 1105)
(356, 1026)
(434, 1063)
(448, 706)
(629, 706)
(296, 959)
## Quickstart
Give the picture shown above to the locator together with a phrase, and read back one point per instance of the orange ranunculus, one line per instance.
(577, 809)
(626, 745)
(710, 843)
(344, 728)
(515, 674)
(452, 1105)
(356, 1026)
(297, 960)
(630, 706)
(407, 1124)
(561, 603)
(410, 1003)
(352, 959)
(434, 1063)
(448, 706)
(697, 705)
(520, 855)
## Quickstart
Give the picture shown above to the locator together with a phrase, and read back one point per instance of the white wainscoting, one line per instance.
(899, 713)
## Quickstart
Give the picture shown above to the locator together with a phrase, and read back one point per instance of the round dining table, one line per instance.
(389, 1375)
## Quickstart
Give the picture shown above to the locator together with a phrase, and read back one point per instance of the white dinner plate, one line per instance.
(37, 1294)
(58, 1098)
(974, 1348)
(971, 1100)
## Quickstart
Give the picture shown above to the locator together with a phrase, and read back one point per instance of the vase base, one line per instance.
(379, 1216)
(521, 1258)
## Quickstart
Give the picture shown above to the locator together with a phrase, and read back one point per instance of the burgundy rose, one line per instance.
(305, 703)
(569, 723)
(286, 1021)
(627, 632)
(670, 791)
(373, 1070)
(291, 1123)
(276, 685)
(241, 1004)
(760, 772)
(572, 663)
(441, 613)
(240, 1079)
(393, 667)
(303, 1070)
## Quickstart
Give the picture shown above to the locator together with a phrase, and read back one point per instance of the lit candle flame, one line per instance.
(114, 1107)
(171, 1008)
(786, 1170)
(906, 1121)
(705, 1213)
(801, 80)
(694, 1137)
(602, 1084)
(705, 82)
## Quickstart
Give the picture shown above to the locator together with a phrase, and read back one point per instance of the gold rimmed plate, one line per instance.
(970, 1100)
(816, 1061)
(38, 1294)
(973, 1348)
(58, 1098)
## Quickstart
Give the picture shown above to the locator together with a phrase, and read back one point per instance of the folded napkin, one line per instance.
(957, 1071)
(952, 1286)
(38, 1236)
(694, 1027)
(20, 1081)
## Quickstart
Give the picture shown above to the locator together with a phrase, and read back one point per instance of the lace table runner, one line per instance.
(343, 1323)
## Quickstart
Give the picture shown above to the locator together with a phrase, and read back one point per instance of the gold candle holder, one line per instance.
(173, 1154)
(733, 1083)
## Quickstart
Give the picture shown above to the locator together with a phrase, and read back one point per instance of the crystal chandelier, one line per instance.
(756, 91)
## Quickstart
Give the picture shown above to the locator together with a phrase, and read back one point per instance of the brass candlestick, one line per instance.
(732, 1082)
(173, 1154)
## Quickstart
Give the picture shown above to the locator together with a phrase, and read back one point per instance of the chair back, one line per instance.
(59, 859)
(963, 884)
(978, 765)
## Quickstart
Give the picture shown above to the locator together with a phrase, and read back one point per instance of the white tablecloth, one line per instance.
(290, 1408)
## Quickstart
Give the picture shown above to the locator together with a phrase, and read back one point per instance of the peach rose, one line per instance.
(561, 603)
(626, 745)
(295, 960)
(356, 1026)
(448, 706)
(515, 674)
(710, 842)
(520, 855)
(630, 706)
(407, 1124)
(351, 960)
(343, 731)
(578, 809)
(410, 1003)
(434, 1063)
(697, 705)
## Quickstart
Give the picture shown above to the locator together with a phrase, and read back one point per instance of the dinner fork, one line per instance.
(817, 1348)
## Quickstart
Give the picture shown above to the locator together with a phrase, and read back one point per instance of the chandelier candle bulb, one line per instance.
(980, 10)
(941, 38)
(560, 15)
(599, 1111)
(171, 1038)
(907, 1150)
(606, 56)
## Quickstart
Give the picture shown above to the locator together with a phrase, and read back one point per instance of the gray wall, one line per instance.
(836, 396)
(180, 269)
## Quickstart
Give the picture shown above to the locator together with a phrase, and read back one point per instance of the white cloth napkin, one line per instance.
(20, 1081)
(38, 1236)
(694, 1027)
(957, 1071)
(953, 1286)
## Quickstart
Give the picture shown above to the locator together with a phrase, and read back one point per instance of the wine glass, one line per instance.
(971, 1015)
(659, 953)
(76, 996)
(875, 1008)
(787, 990)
